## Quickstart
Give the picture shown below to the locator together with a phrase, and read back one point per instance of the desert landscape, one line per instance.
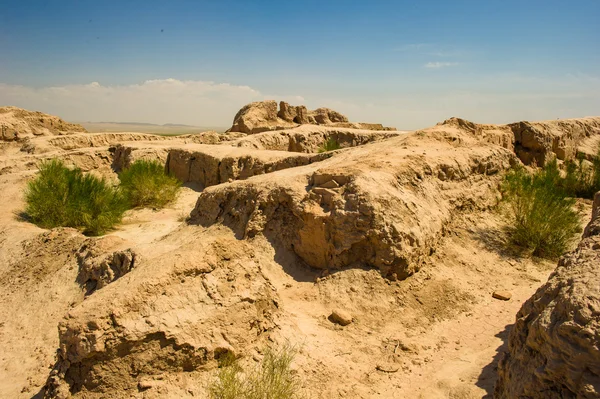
(354, 259)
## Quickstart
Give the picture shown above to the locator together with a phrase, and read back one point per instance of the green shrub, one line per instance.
(60, 196)
(273, 378)
(582, 179)
(145, 183)
(542, 213)
(330, 145)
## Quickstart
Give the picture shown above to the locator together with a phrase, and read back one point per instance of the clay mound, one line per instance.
(17, 124)
(384, 205)
(554, 346)
(263, 116)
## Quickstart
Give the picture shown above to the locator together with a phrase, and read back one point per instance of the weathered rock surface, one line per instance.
(211, 165)
(111, 139)
(309, 138)
(389, 209)
(263, 116)
(326, 116)
(17, 124)
(100, 263)
(208, 167)
(125, 154)
(500, 135)
(259, 117)
(295, 114)
(554, 346)
(540, 142)
(175, 312)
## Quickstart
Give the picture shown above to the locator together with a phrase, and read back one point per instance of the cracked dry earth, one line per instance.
(401, 232)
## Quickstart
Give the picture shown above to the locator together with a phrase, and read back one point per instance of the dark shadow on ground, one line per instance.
(291, 263)
(22, 216)
(40, 394)
(489, 374)
(498, 241)
(197, 187)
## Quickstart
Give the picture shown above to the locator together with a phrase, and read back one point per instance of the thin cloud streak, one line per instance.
(439, 65)
(413, 47)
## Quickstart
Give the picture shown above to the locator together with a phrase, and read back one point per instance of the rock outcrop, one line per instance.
(257, 117)
(382, 205)
(263, 116)
(101, 263)
(554, 346)
(174, 313)
(295, 114)
(310, 138)
(326, 116)
(209, 165)
(17, 124)
(539, 142)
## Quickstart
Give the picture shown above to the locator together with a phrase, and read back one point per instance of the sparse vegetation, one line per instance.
(273, 378)
(145, 183)
(330, 145)
(542, 212)
(60, 196)
(582, 177)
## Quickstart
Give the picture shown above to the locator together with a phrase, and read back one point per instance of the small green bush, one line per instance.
(542, 213)
(145, 183)
(272, 379)
(582, 179)
(330, 145)
(60, 196)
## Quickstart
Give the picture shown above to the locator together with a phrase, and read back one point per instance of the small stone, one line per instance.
(388, 367)
(502, 295)
(340, 317)
(146, 383)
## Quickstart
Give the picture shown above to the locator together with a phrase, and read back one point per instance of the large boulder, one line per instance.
(554, 346)
(258, 117)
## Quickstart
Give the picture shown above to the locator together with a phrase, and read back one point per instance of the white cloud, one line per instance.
(202, 103)
(494, 98)
(438, 65)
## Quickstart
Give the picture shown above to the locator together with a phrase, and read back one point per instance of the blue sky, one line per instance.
(407, 64)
